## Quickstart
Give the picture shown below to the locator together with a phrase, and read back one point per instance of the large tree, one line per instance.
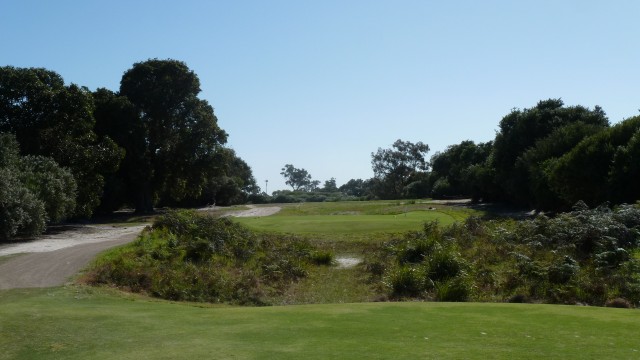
(452, 171)
(54, 120)
(330, 185)
(119, 119)
(521, 130)
(298, 179)
(232, 184)
(602, 167)
(179, 132)
(397, 167)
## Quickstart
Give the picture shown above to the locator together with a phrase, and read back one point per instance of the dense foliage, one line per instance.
(587, 256)
(153, 143)
(196, 257)
(454, 172)
(298, 179)
(546, 157)
(174, 147)
(399, 171)
(34, 191)
(51, 119)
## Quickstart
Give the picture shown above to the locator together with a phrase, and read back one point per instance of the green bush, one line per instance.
(586, 256)
(406, 281)
(195, 257)
(415, 251)
(322, 257)
(34, 191)
(54, 185)
(562, 272)
(21, 212)
(445, 265)
(454, 289)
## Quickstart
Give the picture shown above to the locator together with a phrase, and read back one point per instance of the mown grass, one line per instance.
(359, 220)
(346, 224)
(378, 207)
(89, 323)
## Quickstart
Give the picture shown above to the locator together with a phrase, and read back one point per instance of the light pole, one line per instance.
(266, 187)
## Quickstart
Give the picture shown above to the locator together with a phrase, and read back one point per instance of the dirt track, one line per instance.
(53, 259)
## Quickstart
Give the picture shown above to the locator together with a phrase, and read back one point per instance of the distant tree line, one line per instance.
(547, 157)
(68, 152)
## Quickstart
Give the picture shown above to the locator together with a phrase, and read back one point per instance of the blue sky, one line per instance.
(323, 84)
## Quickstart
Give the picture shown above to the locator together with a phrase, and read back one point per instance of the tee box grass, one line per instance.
(88, 323)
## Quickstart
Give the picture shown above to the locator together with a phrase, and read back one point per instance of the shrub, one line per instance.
(322, 257)
(611, 259)
(618, 303)
(54, 185)
(444, 265)
(454, 289)
(406, 281)
(562, 272)
(415, 251)
(195, 257)
(587, 256)
(518, 299)
(203, 236)
(284, 199)
(21, 212)
(34, 190)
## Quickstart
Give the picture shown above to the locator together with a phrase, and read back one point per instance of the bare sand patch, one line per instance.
(345, 262)
(255, 211)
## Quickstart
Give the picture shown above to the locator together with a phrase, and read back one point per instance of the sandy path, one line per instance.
(54, 258)
(253, 211)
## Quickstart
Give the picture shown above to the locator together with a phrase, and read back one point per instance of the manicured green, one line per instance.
(347, 224)
(89, 323)
(357, 218)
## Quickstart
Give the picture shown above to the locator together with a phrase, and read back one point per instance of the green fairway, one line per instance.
(347, 224)
(85, 323)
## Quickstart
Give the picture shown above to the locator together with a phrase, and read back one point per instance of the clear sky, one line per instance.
(323, 84)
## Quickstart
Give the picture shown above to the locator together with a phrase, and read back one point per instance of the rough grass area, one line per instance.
(585, 256)
(196, 257)
(88, 323)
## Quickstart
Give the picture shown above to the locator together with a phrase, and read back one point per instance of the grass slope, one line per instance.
(83, 323)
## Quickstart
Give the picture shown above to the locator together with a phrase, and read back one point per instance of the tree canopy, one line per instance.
(54, 120)
(73, 152)
(453, 171)
(298, 179)
(547, 157)
(521, 130)
(397, 167)
(174, 138)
